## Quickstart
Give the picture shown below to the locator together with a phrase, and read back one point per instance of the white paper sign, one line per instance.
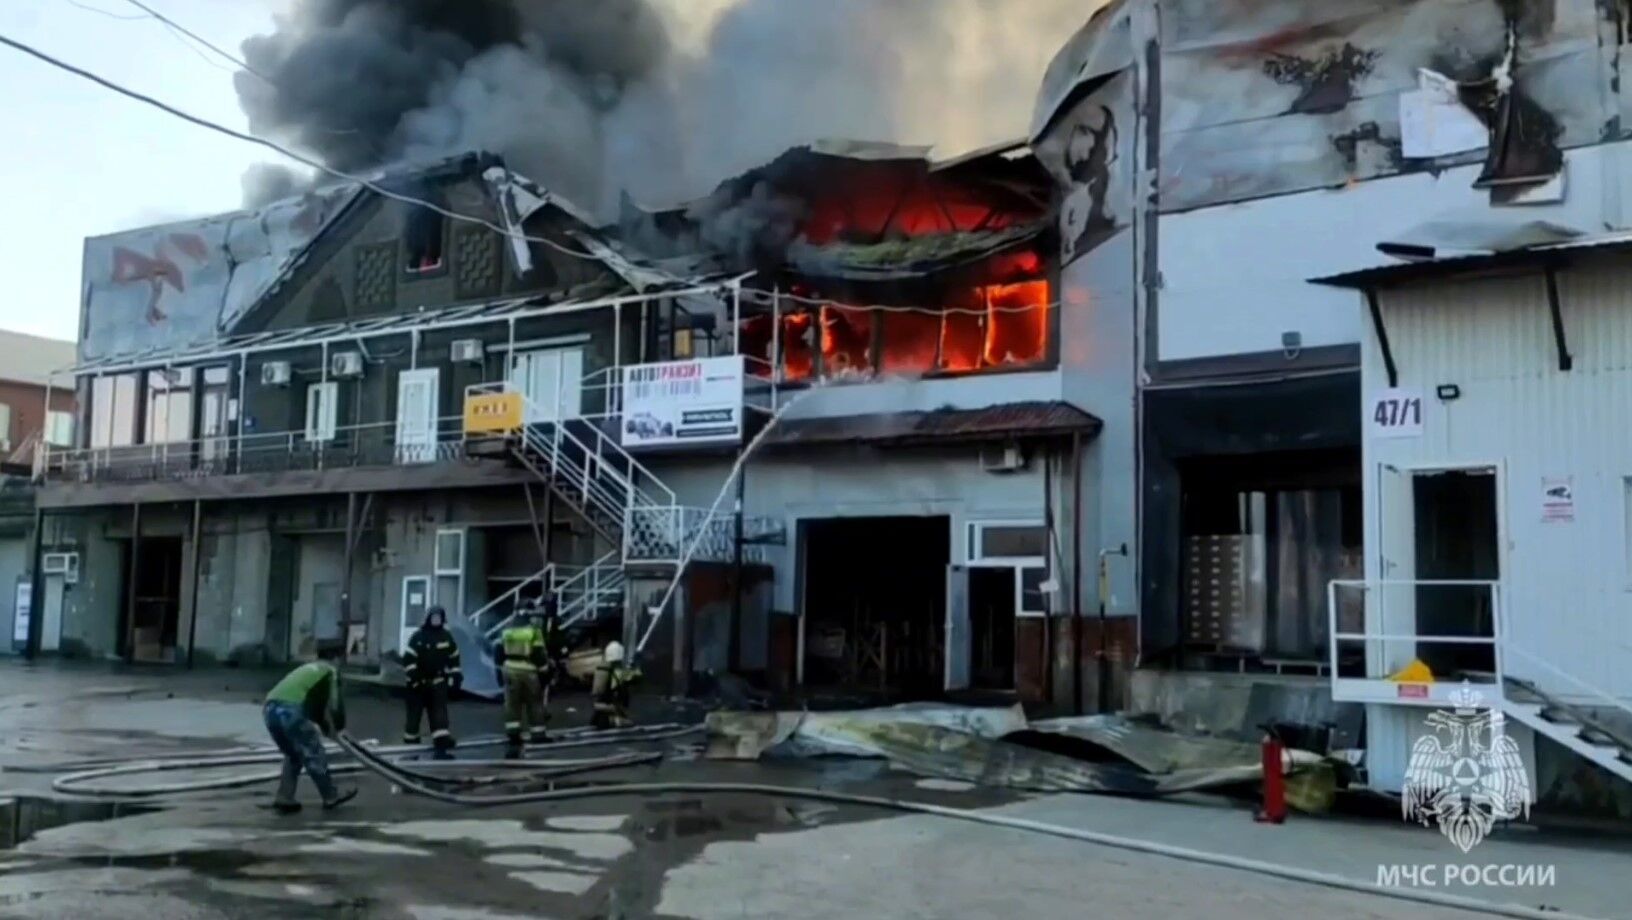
(1396, 413)
(683, 402)
(23, 611)
(1557, 499)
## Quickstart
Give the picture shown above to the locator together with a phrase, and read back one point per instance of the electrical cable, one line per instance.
(205, 123)
(1260, 867)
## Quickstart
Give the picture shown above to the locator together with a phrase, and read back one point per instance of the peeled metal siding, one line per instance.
(1569, 587)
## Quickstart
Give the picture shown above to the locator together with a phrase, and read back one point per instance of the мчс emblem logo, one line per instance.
(1467, 774)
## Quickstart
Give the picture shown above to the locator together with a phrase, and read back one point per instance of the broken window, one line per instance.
(1017, 328)
(847, 341)
(911, 342)
(423, 237)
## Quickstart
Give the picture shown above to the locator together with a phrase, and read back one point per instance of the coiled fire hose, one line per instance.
(408, 782)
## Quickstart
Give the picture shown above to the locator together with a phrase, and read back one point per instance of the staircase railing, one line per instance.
(490, 610)
(589, 592)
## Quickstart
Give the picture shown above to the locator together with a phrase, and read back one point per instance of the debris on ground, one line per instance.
(999, 747)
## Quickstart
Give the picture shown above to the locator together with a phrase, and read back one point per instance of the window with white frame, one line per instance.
(1021, 546)
(322, 400)
(5, 427)
(450, 570)
(59, 429)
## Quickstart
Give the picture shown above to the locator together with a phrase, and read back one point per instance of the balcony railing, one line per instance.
(373, 445)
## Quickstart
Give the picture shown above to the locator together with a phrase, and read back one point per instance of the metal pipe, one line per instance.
(36, 590)
(1076, 573)
(734, 643)
(198, 550)
(243, 410)
(1052, 572)
(130, 576)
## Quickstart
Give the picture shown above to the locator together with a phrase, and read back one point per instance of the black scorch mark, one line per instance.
(1327, 82)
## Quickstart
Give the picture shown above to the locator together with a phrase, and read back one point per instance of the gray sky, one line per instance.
(77, 160)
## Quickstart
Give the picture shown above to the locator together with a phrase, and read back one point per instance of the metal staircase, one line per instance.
(1589, 730)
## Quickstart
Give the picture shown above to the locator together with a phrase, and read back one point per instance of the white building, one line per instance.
(1498, 506)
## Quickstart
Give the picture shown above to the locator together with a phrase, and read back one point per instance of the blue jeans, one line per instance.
(302, 746)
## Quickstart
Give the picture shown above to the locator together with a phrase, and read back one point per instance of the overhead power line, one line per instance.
(205, 123)
(178, 27)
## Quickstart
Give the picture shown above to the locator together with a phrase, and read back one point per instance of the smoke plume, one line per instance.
(658, 98)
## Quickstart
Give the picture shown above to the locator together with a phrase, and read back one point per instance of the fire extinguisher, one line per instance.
(1273, 810)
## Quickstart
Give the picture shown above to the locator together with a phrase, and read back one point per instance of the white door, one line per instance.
(1394, 609)
(51, 614)
(416, 415)
(957, 628)
(552, 381)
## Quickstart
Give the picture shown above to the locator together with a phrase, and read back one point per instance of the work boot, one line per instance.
(340, 799)
(286, 808)
(538, 736)
(442, 754)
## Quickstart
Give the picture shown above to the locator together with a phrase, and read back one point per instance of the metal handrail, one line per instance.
(1495, 640)
(1608, 698)
(540, 575)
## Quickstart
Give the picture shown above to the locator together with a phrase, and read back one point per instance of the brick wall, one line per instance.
(27, 403)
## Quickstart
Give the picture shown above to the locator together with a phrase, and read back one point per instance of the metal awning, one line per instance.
(1432, 268)
(377, 327)
(1002, 422)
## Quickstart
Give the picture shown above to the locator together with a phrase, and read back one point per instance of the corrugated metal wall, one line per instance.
(1568, 584)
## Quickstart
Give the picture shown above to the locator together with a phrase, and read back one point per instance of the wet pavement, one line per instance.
(395, 855)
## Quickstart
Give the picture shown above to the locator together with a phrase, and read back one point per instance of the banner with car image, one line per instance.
(686, 403)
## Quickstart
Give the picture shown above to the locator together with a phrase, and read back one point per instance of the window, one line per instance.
(992, 541)
(5, 427)
(113, 411)
(450, 570)
(321, 402)
(169, 406)
(1033, 597)
(214, 405)
(59, 429)
(422, 237)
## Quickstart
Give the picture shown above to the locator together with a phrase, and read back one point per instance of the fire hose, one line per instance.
(79, 783)
(411, 783)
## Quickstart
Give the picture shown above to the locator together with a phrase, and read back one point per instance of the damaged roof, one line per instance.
(191, 282)
(1002, 422)
(908, 257)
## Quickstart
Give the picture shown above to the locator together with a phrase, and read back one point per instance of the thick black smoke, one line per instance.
(365, 83)
(660, 98)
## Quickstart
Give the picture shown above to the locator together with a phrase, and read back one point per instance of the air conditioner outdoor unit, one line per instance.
(64, 564)
(346, 364)
(467, 351)
(275, 374)
(1008, 458)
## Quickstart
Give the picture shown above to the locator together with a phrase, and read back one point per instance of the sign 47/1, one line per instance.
(1396, 413)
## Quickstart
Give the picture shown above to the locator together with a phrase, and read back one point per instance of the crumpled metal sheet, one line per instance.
(1098, 754)
(750, 735)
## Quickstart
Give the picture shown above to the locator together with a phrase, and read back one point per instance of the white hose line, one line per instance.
(75, 783)
(1275, 870)
(568, 739)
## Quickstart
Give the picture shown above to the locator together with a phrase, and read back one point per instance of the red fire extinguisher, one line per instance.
(1273, 810)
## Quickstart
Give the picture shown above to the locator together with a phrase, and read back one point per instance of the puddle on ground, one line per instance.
(22, 817)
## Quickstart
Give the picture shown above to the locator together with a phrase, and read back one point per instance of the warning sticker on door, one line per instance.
(1557, 499)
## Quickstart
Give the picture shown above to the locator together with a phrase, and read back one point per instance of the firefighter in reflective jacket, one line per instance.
(613, 682)
(432, 663)
(524, 665)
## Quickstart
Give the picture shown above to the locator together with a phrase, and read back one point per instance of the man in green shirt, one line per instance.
(300, 710)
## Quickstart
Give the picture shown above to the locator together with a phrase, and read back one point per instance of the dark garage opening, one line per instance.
(875, 604)
(150, 630)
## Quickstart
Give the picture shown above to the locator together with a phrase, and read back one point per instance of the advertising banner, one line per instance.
(693, 402)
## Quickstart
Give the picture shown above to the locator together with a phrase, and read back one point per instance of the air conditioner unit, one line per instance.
(467, 351)
(275, 374)
(64, 564)
(1008, 458)
(346, 364)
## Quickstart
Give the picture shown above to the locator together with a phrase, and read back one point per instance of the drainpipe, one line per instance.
(1052, 570)
(130, 576)
(345, 576)
(1076, 574)
(36, 589)
(198, 552)
(734, 645)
